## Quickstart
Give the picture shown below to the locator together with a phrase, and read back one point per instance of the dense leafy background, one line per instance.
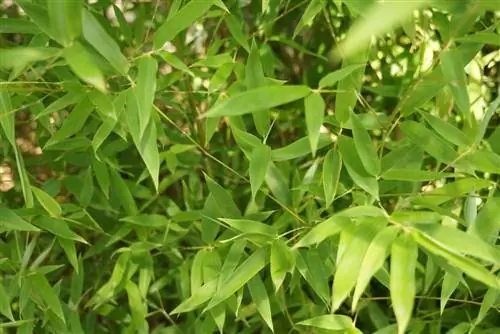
(249, 166)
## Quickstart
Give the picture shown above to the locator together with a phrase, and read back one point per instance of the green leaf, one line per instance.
(69, 248)
(489, 300)
(57, 227)
(374, 259)
(487, 223)
(312, 267)
(482, 37)
(22, 56)
(450, 284)
(461, 242)
(259, 295)
(258, 99)
(468, 266)
(122, 193)
(409, 174)
(333, 322)
(259, 164)
(223, 199)
(10, 221)
(145, 90)
(82, 63)
(378, 19)
(48, 203)
(453, 72)
(246, 271)
(314, 112)
(332, 78)
(278, 185)
(322, 231)
(236, 31)
(349, 85)
(299, 148)
(138, 308)
(254, 78)
(313, 8)
(97, 36)
(332, 166)
(175, 62)
(428, 141)
(201, 296)
(18, 26)
(355, 168)
(282, 261)
(73, 123)
(41, 287)
(5, 308)
(364, 147)
(65, 19)
(147, 220)
(124, 26)
(180, 20)
(450, 191)
(349, 265)
(404, 255)
(447, 131)
(492, 109)
(250, 227)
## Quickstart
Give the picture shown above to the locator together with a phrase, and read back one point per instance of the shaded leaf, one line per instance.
(261, 299)
(259, 163)
(364, 147)
(145, 90)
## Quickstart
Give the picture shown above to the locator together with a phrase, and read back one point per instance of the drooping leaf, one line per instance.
(402, 285)
(246, 271)
(355, 168)
(453, 71)
(22, 56)
(259, 164)
(145, 90)
(82, 63)
(282, 261)
(299, 148)
(180, 20)
(364, 147)
(314, 112)
(375, 256)
(223, 199)
(40, 286)
(65, 19)
(332, 166)
(261, 299)
(313, 8)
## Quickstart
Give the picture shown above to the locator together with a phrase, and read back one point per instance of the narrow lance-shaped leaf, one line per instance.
(81, 62)
(374, 259)
(259, 164)
(402, 280)
(248, 269)
(453, 72)
(41, 287)
(449, 285)
(65, 19)
(254, 78)
(349, 86)
(47, 202)
(145, 90)
(314, 111)
(22, 56)
(364, 146)
(57, 227)
(97, 36)
(257, 99)
(333, 322)
(313, 8)
(349, 266)
(332, 78)
(10, 221)
(355, 168)
(180, 20)
(282, 261)
(332, 166)
(261, 299)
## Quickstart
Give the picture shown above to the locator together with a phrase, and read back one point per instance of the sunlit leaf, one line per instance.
(314, 112)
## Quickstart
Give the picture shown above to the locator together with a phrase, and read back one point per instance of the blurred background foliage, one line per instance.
(243, 166)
